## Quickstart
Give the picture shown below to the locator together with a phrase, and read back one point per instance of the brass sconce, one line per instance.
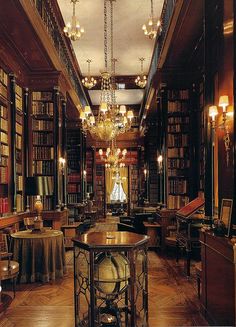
(213, 112)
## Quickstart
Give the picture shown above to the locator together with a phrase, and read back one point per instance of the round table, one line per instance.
(41, 255)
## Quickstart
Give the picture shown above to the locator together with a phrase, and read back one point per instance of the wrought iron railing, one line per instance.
(45, 11)
(166, 14)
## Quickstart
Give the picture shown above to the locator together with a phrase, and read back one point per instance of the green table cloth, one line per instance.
(41, 256)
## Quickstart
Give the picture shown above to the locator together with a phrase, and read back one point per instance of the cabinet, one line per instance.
(153, 230)
(218, 296)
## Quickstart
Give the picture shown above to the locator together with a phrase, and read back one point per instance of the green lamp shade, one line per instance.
(39, 185)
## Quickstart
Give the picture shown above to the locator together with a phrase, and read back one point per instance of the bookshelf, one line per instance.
(73, 166)
(178, 152)
(4, 143)
(19, 148)
(43, 140)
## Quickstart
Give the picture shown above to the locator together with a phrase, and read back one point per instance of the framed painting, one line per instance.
(225, 214)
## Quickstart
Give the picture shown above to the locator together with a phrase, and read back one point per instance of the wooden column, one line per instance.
(26, 141)
(56, 102)
(64, 153)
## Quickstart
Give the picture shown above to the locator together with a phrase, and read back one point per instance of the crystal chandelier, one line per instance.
(89, 81)
(113, 157)
(153, 26)
(73, 29)
(112, 119)
(141, 80)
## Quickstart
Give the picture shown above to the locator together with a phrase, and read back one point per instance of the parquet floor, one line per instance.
(172, 299)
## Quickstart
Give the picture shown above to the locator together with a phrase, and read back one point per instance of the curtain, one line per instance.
(110, 183)
(125, 181)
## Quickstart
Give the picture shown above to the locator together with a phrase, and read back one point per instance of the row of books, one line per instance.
(4, 175)
(178, 152)
(3, 112)
(42, 108)
(19, 118)
(177, 186)
(179, 120)
(18, 129)
(19, 102)
(43, 167)
(178, 140)
(3, 137)
(19, 183)
(18, 168)
(45, 125)
(18, 155)
(3, 91)
(18, 91)
(178, 94)
(177, 201)
(4, 149)
(73, 165)
(73, 188)
(4, 125)
(3, 161)
(178, 128)
(178, 163)
(74, 177)
(45, 96)
(42, 138)
(19, 203)
(73, 198)
(18, 141)
(3, 77)
(3, 205)
(177, 106)
(42, 153)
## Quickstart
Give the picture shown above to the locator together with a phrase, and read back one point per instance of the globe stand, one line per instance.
(110, 278)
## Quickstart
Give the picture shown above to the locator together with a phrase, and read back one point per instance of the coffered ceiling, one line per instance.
(129, 41)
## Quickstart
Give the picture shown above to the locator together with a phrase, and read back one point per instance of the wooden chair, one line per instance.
(8, 269)
(170, 238)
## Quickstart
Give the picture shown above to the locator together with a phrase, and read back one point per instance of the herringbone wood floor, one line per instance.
(172, 299)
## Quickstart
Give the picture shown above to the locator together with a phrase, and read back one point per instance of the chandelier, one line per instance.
(73, 29)
(89, 81)
(141, 80)
(112, 119)
(113, 157)
(153, 26)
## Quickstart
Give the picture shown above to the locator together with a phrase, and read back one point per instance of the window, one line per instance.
(118, 194)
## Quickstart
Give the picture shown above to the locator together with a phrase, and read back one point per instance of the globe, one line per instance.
(111, 272)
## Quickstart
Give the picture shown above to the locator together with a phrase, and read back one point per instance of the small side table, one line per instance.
(153, 230)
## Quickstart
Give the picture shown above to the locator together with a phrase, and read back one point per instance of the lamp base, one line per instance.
(38, 224)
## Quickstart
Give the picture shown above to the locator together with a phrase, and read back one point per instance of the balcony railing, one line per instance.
(166, 15)
(54, 29)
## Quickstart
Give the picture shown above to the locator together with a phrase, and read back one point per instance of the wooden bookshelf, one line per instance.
(4, 143)
(178, 152)
(19, 148)
(73, 166)
(43, 140)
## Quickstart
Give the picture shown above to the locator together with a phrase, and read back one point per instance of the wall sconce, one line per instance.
(84, 173)
(62, 162)
(160, 163)
(145, 174)
(213, 111)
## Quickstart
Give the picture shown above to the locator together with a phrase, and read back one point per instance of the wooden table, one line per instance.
(41, 256)
(153, 230)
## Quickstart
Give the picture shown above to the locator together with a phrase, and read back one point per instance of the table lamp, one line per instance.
(38, 186)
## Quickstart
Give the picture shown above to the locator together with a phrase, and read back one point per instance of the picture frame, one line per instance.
(226, 213)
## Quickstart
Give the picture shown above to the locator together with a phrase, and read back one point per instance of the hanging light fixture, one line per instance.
(153, 26)
(141, 80)
(89, 82)
(113, 157)
(112, 119)
(73, 29)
